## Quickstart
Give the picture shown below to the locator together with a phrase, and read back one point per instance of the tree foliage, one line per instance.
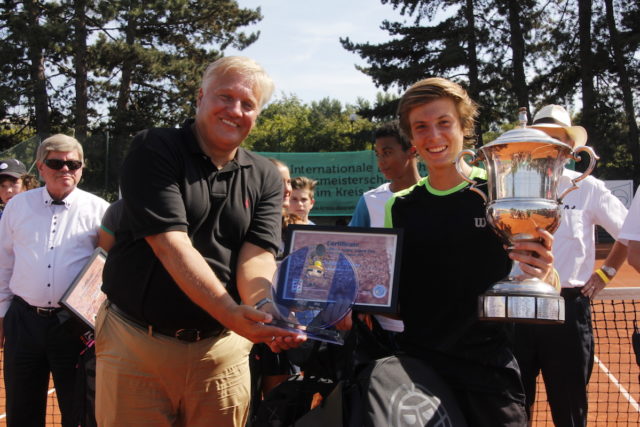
(114, 66)
(523, 54)
(288, 125)
(119, 66)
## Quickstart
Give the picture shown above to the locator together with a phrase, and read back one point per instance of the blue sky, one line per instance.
(299, 45)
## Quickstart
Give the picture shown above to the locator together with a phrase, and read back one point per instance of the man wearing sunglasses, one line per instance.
(46, 237)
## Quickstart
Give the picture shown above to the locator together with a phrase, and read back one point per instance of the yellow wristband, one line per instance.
(603, 276)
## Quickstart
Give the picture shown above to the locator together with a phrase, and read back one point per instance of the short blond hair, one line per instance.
(59, 142)
(431, 89)
(246, 67)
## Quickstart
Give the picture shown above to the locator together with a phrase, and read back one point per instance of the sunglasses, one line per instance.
(57, 164)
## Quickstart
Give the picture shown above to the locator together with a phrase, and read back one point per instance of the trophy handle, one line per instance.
(593, 157)
(474, 160)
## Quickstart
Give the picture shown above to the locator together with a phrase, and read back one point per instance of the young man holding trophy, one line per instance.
(564, 353)
(451, 256)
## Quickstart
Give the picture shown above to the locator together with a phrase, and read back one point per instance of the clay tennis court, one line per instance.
(614, 391)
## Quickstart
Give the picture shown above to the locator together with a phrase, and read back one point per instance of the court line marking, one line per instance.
(615, 381)
(51, 391)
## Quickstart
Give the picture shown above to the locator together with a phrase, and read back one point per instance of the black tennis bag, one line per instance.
(388, 391)
(400, 391)
(327, 368)
(396, 391)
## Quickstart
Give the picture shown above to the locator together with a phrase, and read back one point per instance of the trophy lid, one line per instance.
(528, 135)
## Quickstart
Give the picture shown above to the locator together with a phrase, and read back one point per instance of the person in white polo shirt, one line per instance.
(564, 353)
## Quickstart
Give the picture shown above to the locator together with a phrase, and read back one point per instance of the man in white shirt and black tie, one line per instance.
(46, 237)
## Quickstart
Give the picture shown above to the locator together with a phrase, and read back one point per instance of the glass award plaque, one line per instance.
(313, 289)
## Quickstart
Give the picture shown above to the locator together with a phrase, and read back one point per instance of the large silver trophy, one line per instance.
(523, 170)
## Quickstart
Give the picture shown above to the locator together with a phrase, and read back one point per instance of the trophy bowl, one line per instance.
(313, 289)
(523, 170)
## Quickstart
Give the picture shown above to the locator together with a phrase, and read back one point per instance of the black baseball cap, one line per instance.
(12, 167)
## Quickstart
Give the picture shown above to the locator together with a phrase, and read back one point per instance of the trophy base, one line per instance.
(312, 333)
(528, 301)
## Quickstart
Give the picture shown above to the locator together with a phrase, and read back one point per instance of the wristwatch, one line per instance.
(609, 271)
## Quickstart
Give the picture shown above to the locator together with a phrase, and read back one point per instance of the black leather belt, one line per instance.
(184, 334)
(40, 311)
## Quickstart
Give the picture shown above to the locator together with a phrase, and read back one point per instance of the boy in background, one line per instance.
(302, 198)
(14, 179)
(398, 163)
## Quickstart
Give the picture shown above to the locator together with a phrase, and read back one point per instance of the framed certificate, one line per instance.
(84, 297)
(373, 252)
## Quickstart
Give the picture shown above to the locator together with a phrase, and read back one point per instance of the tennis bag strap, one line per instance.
(400, 391)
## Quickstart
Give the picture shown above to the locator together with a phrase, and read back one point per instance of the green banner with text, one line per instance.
(342, 177)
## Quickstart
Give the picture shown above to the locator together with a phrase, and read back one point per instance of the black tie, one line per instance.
(57, 202)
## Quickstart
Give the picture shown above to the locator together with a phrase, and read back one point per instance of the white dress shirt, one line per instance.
(574, 246)
(631, 228)
(43, 246)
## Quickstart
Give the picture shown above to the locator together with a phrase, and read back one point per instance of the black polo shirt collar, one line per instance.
(240, 160)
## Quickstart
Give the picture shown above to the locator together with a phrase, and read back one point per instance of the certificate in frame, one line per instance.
(84, 297)
(375, 253)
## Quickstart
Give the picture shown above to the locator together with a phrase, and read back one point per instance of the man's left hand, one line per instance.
(593, 286)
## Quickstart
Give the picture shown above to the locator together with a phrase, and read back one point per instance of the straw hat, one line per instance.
(555, 116)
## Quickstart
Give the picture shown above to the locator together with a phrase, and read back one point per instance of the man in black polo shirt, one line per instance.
(200, 228)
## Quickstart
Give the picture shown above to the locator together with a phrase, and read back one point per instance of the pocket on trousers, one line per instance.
(100, 318)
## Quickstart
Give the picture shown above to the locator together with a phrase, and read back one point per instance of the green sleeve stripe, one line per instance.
(106, 230)
(388, 220)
